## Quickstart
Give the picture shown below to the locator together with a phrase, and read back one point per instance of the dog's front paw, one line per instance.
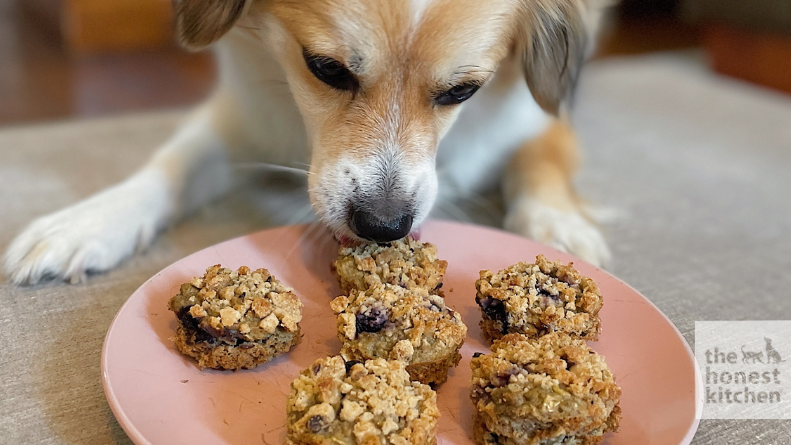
(570, 232)
(91, 236)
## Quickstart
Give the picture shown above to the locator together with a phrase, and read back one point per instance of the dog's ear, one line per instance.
(201, 22)
(553, 49)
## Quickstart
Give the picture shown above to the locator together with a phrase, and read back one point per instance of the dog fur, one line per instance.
(377, 146)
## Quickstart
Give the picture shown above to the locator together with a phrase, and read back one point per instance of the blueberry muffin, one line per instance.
(235, 319)
(391, 322)
(538, 298)
(550, 391)
(335, 402)
(407, 263)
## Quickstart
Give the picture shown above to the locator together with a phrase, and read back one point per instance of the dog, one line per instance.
(771, 353)
(383, 94)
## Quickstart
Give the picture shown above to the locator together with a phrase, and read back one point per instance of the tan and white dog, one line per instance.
(383, 93)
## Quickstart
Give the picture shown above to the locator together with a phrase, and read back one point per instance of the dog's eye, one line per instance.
(331, 72)
(457, 94)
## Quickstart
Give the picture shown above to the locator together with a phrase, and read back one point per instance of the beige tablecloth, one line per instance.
(698, 165)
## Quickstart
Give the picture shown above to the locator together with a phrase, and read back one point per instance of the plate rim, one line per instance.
(115, 406)
(139, 439)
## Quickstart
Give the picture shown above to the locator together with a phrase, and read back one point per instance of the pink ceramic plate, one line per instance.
(160, 397)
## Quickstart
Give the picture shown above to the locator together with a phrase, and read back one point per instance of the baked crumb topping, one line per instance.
(392, 322)
(407, 263)
(534, 299)
(232, 306)
(340, 402)
(551, 385)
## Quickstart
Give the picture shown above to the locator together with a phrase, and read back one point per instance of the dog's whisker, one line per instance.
(454, 211)
(443, 212)
(312, 227)
(297, 192)
(323, 240)
(481, 203)
(315, 233)
(463, 213)
(297, 216)
(320, 237)
(273, 82)
(270, 167)
(494, 213)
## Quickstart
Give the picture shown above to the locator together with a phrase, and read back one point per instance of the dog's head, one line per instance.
(379, 82)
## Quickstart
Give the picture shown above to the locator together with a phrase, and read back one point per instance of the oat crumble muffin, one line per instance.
(538, 298)
(335, 402)
(407, 263)
(550, 391)
(235, 319)
(391, 322)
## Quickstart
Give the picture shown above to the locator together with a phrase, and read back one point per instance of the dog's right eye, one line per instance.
(457, 94)
(331, 72)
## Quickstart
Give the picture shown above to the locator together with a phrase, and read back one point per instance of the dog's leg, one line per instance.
(99, 232)
(541, 200)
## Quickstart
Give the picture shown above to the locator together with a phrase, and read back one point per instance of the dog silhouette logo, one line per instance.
(772, 356)
(753, 357)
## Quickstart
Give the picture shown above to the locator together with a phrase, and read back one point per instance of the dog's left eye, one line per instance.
(331, 72)
(457, 94)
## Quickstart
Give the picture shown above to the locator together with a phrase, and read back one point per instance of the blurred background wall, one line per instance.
(73, 58)
(746, 39)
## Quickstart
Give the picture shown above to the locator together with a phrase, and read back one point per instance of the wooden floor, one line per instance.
(39, 81)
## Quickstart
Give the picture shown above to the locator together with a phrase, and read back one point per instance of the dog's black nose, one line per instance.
(368, 226)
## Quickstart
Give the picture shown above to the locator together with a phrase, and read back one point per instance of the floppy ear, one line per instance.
(553, 48)
(201, 22)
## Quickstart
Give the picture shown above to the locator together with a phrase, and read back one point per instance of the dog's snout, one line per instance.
(368, 225)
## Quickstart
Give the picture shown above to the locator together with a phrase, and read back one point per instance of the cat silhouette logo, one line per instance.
(753, 357)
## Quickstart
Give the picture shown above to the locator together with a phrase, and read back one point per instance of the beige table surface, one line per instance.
(699, 166)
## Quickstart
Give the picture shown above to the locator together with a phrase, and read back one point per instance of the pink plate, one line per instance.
(162, 398)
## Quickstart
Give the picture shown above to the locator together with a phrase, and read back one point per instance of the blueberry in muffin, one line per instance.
(235, 319)
(387, 321)
(537, 298)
